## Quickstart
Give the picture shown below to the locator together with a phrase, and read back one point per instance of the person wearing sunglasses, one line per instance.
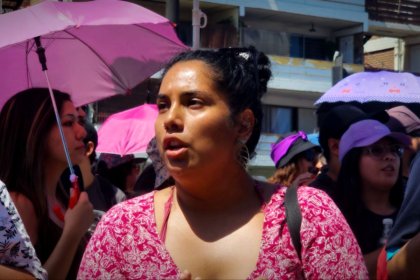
(370, 186)
(295, 158)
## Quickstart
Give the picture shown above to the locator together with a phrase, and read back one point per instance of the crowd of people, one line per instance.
(195, 211)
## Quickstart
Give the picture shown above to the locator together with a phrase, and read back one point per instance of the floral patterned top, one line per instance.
(126, 243)
(16, 249)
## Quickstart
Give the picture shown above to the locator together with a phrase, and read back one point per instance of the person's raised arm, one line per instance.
(76, 223)
(405, 264)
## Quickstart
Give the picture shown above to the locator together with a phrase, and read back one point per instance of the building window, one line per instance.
(278, 120)
(311, 48)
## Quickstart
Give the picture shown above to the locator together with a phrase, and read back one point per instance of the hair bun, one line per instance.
(262, 67)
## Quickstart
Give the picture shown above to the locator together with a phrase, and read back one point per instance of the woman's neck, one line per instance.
(217, 193)
(52, 174)
(377, 201)
(85, 168)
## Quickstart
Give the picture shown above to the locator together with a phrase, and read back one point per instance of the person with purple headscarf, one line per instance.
(295, 158)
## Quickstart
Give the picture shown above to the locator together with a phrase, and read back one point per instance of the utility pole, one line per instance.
(197, 15)
(337, 69)
(172, 11)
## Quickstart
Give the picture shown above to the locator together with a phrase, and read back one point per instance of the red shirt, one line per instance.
(126, 244)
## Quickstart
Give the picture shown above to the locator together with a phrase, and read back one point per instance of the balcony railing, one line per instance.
(398, 11)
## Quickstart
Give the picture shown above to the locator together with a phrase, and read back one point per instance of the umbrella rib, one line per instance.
(100, 57)
(28, 47)
(160, 35)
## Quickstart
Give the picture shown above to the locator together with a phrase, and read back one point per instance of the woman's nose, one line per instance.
(174, 120)
(80, 131)
(389, 155)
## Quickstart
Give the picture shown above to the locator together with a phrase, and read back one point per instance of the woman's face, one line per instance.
(306, 161)
(74, 134)
(379, 165)
(194, 129)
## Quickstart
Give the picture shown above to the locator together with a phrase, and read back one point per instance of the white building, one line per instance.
(300, 37)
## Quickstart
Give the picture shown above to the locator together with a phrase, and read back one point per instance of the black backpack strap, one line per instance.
(293, 217)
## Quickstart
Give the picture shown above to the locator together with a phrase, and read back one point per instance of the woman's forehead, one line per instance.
(68, 108)
(384, 141)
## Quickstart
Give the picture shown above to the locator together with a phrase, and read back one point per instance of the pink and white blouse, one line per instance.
(126, 243)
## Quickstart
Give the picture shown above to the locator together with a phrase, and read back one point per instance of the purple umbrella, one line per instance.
(383, 86)
(94, 49)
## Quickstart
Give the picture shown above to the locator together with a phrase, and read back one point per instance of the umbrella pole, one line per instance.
(60, 127)
(75, 190)
(43, 60)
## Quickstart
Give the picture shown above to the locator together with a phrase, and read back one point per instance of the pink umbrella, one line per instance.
(128, 132)
(94, 49)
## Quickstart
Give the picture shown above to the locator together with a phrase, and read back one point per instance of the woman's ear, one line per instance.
(246, 125)
(333, 145)
(90, 148)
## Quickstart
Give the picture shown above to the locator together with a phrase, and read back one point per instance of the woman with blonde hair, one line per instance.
(295, 158)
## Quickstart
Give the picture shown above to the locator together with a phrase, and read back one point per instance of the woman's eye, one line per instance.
(68, 123)
(195, 102)
(377, 151)
(162, 105)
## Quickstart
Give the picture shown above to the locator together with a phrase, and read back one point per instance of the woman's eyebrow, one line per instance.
(70, 115)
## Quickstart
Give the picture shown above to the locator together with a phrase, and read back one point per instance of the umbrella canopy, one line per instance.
(94, 49)
(128, 132)
(383, 86)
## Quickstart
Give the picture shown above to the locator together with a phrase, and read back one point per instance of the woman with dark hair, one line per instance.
(370, 186)
(32, 159)
(295, 158)
(121, 171)
(216, 221)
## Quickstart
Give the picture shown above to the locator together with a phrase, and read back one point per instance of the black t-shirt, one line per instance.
(369, 230)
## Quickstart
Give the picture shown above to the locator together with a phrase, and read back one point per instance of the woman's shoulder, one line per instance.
(135, 206)
(307, 193)
(20, 199)
(310, 200)
(24, 205)
(129, 213)
(313, 200)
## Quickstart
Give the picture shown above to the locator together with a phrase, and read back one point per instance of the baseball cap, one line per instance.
(288, 146)
(404, 120)
(366, 132)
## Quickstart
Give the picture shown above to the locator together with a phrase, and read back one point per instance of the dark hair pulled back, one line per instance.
(241, 74)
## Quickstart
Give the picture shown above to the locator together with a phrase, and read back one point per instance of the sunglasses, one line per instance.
(309, 155)
(380, 151)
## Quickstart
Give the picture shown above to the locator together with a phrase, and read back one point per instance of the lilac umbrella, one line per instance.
(128, 132)
(94, 49)
(383, 86)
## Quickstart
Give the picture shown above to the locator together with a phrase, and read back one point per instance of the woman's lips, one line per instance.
(174, 147)
(389, 168)
(175, 153)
